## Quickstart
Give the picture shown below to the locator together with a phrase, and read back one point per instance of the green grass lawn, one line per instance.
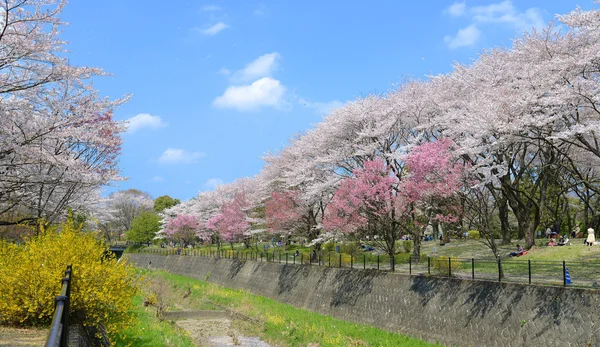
(282, 324)
(150, 332)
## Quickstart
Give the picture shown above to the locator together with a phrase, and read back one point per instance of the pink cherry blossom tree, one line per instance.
(283, 211)
(369, 203)
(287, 214)
(183, 228)
(433, 184)
(232, 222)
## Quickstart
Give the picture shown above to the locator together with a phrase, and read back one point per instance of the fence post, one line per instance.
(351, 261)
(410, 265)
(261, 255)
(393, 263)
(329, 257)
(564, 273)
(449, 267)
(377, 261)
(364, 261)
(279, 257)
(340, 260)
(286, 258)
(473, 268)
(429, 265)
(499, 273)
(529, 269)
(301, 258)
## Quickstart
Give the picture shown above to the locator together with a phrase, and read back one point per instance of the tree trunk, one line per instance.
(417, 243)
(502, 204)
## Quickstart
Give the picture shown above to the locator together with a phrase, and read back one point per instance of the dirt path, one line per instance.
(212, 329)
(13, 337)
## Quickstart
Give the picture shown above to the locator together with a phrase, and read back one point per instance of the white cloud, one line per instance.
(225, 72)
(263, 92)
(263, 66)
(212, 183)
(457, 9)
(215, 29)
(464, 37)
(211, 8)
(261, 10)
(322, 108)
(158, 179)
(506, 12)
(179, 156)
(502, 13)
(144, 120)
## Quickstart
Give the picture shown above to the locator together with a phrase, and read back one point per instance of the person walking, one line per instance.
(591, 238)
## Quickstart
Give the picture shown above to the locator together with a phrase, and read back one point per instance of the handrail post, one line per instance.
(529, 269)
(564, 274)
(59, 329)
(409, 265)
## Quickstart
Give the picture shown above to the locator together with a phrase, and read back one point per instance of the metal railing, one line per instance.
(59, 329)
(563, 273)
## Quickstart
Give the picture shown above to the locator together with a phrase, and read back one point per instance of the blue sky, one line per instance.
(217, 84)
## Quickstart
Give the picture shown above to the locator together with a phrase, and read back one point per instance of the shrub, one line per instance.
(329, 247)
(440, 264)
(407, 246)
(350, 248)
(102, 288)
(474, 234)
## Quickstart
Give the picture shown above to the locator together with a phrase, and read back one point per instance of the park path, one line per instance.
(15, 337)
(212, 329)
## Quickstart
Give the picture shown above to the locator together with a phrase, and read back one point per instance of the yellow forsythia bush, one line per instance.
(30, 279)
(440, 264)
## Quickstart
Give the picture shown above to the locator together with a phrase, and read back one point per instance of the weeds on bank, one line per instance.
(149, 331)
(284, 324)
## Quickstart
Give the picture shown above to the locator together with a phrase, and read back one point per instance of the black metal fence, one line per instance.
(59, 330)
(575, 274)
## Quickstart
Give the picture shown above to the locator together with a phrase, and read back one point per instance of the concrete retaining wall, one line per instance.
(451, 311)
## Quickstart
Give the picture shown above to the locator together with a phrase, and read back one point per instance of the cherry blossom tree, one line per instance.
(369, 203)
(433, 183)
(58, 140)
(116, 212)
(183, 229)
(231, 223)
(283, 211)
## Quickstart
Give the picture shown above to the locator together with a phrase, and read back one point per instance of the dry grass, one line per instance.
(16, 337)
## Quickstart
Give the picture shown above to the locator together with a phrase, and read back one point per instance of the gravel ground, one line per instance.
(217, 332)
(14, 337)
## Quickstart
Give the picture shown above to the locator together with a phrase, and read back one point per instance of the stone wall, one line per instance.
(451, 311)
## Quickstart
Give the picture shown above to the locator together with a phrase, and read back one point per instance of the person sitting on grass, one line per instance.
(551, 243)
(563, 241)
(518, 253)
